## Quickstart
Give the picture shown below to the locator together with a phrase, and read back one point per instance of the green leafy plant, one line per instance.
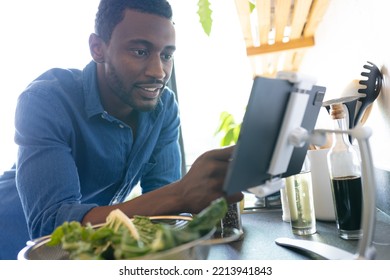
(205, 14)
(228, 128)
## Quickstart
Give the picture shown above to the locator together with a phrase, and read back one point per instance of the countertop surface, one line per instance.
(262, 227)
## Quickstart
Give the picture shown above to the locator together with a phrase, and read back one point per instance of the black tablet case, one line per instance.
(260, 130)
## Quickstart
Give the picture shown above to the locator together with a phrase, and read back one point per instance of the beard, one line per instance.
(128, 95)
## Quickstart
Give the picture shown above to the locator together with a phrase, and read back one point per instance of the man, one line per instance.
(86, 138)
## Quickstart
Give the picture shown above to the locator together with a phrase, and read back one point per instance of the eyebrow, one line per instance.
(149, 44)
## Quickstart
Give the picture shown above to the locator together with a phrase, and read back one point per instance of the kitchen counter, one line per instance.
(262, 227)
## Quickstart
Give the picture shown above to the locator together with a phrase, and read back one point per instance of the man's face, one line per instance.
(138, 59)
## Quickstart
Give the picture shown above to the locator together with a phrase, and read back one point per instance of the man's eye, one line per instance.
(167, 57)
(140, 52)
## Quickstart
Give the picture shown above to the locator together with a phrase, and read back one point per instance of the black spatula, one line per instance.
(373, 87)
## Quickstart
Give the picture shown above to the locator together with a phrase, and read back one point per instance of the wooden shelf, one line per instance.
(278, 32)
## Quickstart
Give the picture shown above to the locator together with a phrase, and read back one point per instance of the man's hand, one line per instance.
(204, 181)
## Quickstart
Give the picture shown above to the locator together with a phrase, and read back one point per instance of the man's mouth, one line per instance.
(150, 91)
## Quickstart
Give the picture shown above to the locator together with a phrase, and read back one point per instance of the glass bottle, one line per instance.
(345, 174)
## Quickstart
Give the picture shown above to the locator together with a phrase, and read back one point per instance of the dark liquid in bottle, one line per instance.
(347, 192)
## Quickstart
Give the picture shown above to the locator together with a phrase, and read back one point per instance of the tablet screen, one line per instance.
(260, 130)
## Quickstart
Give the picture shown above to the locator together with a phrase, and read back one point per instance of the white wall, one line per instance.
(351, 33)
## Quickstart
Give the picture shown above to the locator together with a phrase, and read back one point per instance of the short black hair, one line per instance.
(112, 12)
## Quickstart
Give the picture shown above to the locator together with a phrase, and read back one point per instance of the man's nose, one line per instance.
(155, 68)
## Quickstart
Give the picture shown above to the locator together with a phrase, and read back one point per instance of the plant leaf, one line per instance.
(204, 13)
(226, 122)
(236, 132)
(251, 6)
(228, 138)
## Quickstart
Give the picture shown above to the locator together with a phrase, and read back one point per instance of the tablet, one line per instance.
(260, 131)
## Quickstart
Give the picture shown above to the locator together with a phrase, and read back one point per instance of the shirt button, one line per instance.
(121, 126)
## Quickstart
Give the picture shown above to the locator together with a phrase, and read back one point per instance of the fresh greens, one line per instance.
(124, 238)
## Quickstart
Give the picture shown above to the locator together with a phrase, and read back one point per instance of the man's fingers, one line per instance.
(223, 154)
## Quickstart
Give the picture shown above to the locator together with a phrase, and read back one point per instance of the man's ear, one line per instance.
(96, 47)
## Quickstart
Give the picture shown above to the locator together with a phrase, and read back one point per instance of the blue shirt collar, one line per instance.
(93, 105)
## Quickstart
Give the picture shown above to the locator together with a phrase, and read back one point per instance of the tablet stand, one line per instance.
(365, 249)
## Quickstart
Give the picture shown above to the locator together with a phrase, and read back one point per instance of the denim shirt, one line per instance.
(74, 156)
